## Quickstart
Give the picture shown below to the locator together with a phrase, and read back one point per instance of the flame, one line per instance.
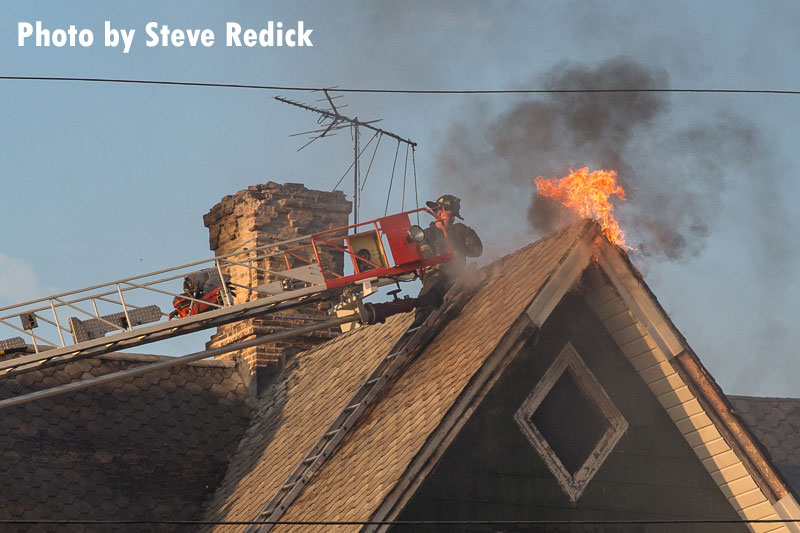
(587, 194)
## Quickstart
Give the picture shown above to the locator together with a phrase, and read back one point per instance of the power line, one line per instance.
(405, 522)
(399, 91)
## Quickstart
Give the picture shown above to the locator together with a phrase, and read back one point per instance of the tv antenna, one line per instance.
(332, 120)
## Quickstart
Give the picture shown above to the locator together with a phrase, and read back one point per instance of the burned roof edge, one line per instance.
(713, 400)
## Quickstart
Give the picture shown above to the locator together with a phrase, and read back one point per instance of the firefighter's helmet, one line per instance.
(449, 203)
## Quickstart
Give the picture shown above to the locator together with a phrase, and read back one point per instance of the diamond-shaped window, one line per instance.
(570, 420)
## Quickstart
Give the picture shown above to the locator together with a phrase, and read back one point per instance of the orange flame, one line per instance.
(587, 194)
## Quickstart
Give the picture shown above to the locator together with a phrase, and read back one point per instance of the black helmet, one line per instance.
(449, 203)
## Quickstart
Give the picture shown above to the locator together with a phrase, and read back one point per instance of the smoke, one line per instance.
(674, 168)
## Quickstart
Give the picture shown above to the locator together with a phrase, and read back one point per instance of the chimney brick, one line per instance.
(269, 213)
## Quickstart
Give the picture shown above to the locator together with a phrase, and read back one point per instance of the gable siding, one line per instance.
(684, 409)
(491, 472)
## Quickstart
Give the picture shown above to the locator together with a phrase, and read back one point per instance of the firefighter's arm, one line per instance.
(473, 247)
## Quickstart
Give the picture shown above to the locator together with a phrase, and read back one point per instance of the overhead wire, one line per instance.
(452, 523)
(400, 91)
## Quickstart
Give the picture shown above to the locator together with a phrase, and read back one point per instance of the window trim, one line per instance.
(569, 360)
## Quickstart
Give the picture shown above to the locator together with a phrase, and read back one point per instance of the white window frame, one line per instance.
(570, 360)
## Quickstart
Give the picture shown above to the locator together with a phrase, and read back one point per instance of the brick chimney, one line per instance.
(256, 216)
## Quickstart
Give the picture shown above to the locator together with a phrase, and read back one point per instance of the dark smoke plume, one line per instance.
(673, 168)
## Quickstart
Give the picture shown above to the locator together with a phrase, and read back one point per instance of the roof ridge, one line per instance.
(587, 222)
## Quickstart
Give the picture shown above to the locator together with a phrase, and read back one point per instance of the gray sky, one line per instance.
(104, 181)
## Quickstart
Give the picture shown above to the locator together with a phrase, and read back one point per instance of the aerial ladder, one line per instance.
(119, 315)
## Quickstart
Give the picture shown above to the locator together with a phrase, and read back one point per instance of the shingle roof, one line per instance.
(155, 446)
(776, 423)
(373, 457)
(291, 415)
(147, 448)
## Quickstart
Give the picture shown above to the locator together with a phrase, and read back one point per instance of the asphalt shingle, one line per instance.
(776, 423)
(375, 454)
(95, 453)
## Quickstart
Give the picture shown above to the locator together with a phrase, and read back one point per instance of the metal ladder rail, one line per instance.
(213, 261)
(145, 283)
(160, 331)
(405, 349)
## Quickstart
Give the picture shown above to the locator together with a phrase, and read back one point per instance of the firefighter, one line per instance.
(437, 279)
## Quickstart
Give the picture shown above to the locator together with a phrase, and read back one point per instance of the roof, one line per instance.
(399, 438)
(290, 416)
(160, 445)
(390, 435)
(776, 423)
(145, 448)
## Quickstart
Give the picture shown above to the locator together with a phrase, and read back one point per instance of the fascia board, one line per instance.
(564, 276)
(788, 509)
(649, 314)
(640, 301)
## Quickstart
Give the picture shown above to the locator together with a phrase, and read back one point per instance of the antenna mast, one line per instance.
(333, 120)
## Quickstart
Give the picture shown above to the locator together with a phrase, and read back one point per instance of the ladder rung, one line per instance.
(331, 433)
(311, 459)
(352, 407)
(393, 355)
(289, 486)
(374, 380)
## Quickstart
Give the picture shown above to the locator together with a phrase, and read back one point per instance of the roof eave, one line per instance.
(644, 304)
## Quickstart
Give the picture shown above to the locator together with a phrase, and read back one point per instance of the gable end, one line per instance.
(674, 375)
